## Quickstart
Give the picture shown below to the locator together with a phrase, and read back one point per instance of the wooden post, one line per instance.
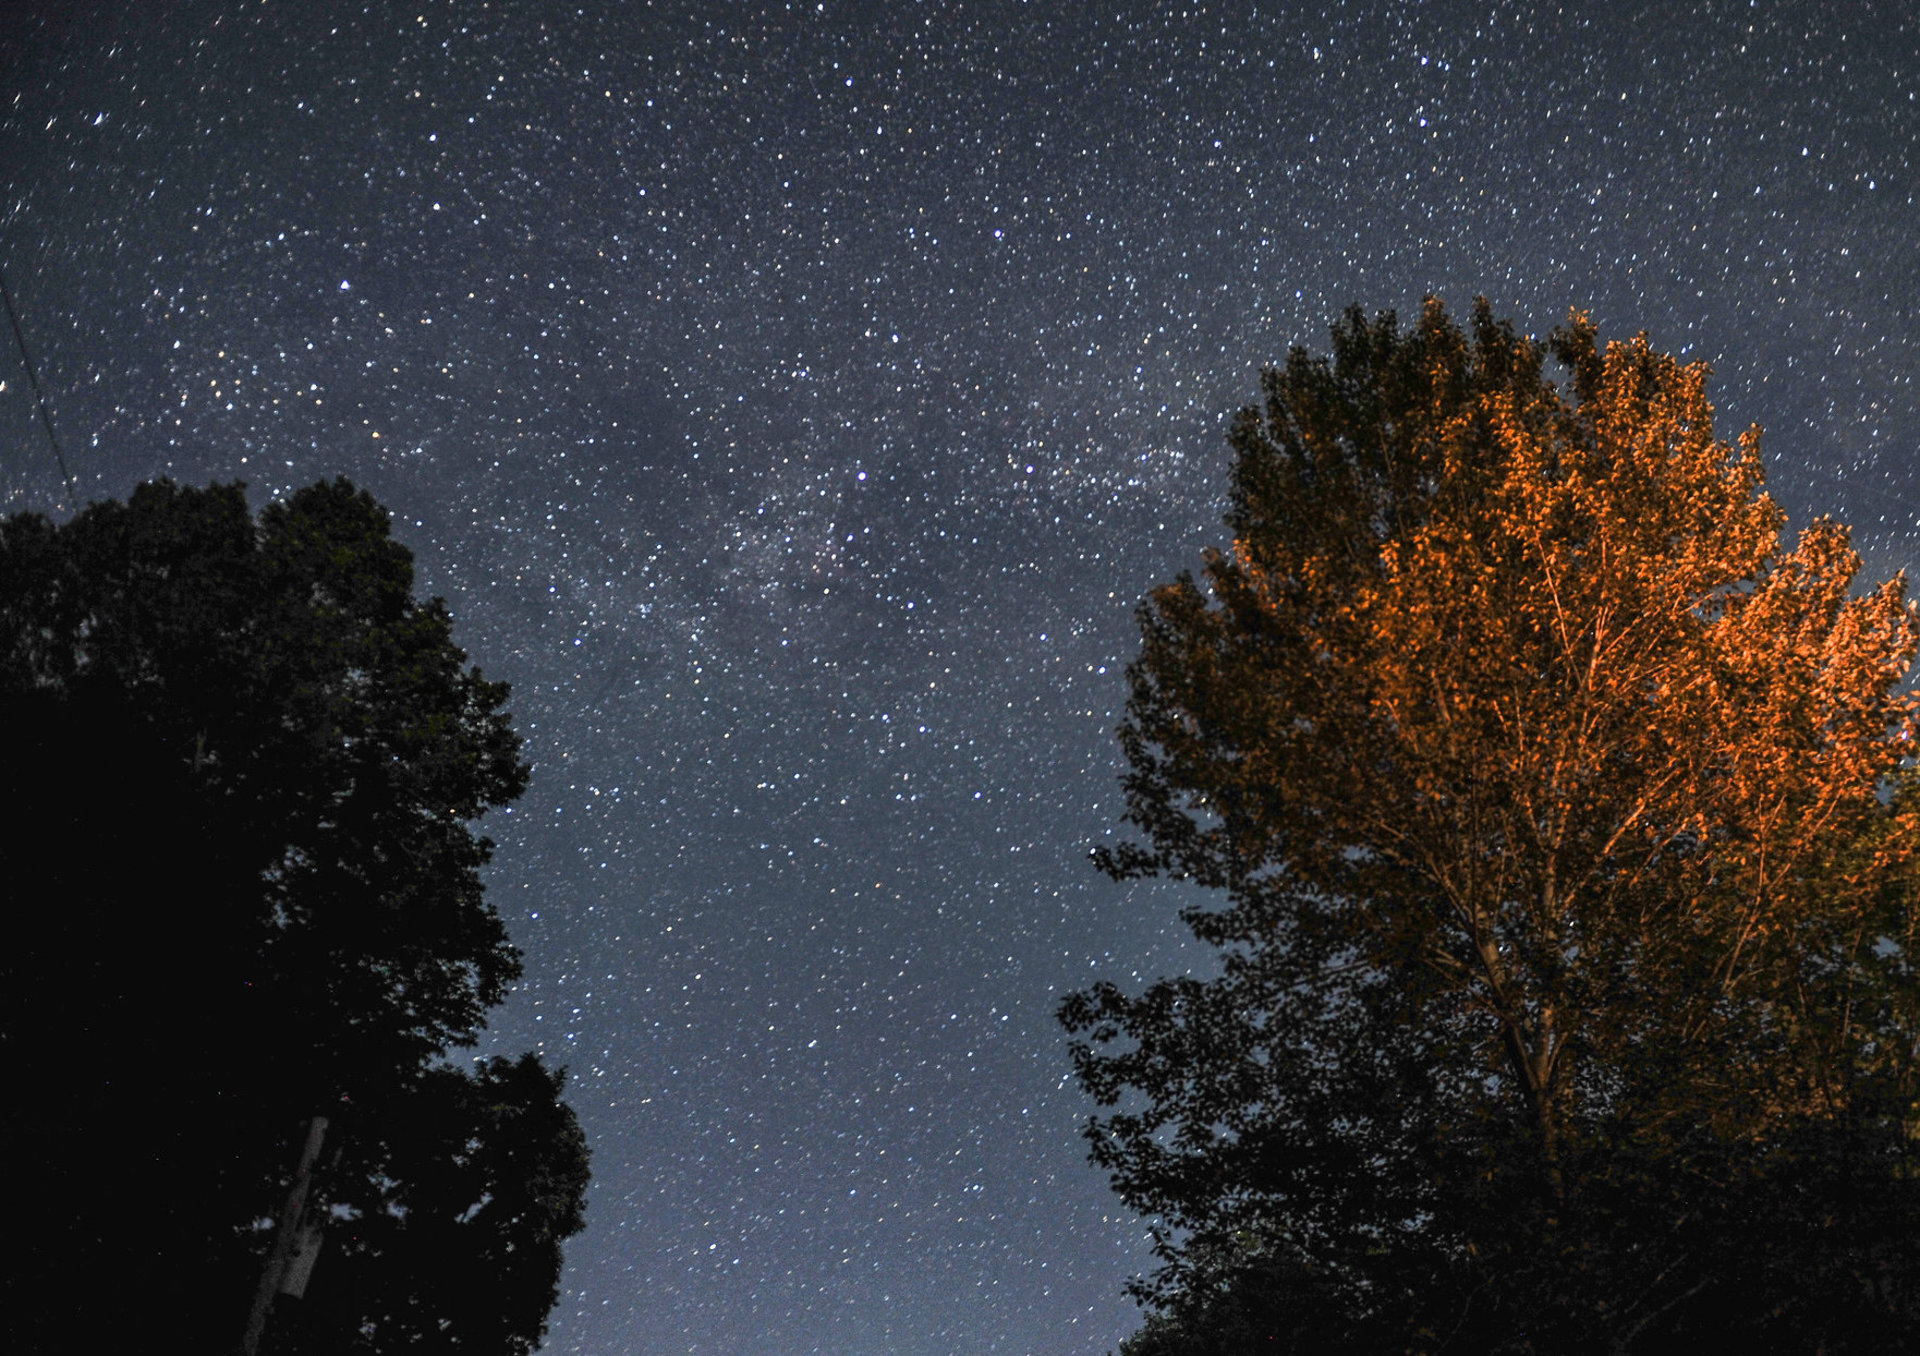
(286, 1234)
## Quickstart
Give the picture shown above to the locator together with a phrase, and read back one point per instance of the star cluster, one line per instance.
(793, 401)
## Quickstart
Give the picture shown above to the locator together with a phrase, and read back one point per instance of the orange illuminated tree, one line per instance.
(1554, 805)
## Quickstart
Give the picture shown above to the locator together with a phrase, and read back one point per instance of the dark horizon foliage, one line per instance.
(245, 770)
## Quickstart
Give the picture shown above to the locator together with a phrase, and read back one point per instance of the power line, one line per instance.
(39, 396)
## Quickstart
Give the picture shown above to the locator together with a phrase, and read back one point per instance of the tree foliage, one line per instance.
(477, 1179)
(1560, 817)
(245, 765)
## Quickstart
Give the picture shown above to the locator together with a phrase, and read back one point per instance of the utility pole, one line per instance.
(288, 1232)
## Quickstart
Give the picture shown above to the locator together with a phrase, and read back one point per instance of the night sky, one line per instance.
(793, 401)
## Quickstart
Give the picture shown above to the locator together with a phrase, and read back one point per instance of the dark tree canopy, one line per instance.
(462, 1252)
(244, 768)
(1562, 825)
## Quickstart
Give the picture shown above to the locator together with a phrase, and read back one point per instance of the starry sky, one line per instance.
(793, 401)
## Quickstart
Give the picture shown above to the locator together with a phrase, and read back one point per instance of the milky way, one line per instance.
(793, 402)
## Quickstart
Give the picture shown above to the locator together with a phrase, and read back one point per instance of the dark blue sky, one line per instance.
(792, 402)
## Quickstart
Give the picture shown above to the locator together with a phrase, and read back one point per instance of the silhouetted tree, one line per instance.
(244, 763)
(1562, 826)
(450, 1207)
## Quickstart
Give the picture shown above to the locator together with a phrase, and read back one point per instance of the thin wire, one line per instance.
(39, 396)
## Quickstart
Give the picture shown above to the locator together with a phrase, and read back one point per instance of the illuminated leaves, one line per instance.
(1547, 790)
